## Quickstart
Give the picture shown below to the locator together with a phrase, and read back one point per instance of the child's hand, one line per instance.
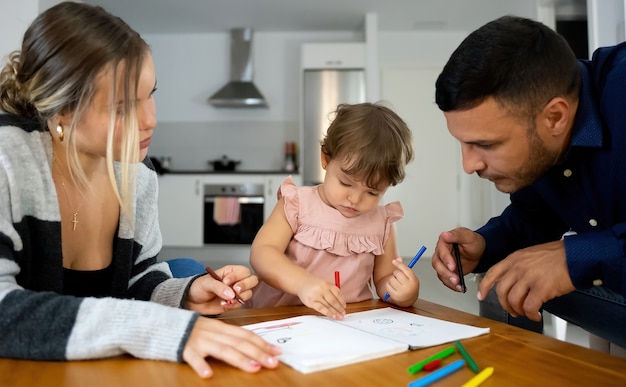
(322, 296)
(403, 285)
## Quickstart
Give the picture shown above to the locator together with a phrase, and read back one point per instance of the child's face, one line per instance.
(347, 195)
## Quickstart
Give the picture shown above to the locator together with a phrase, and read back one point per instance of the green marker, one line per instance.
(415, 368)
(470, 362)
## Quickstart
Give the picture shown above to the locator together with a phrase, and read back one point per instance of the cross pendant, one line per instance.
(75, 221)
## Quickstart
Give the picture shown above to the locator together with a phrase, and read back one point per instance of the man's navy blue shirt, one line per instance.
(586, 193)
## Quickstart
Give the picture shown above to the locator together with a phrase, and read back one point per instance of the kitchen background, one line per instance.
(406, 42)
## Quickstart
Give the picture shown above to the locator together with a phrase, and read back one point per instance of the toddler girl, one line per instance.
(339, 225)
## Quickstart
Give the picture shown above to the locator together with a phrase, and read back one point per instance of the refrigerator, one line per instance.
(322, 91)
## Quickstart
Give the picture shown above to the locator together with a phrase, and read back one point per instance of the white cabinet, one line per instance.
(181, 210)
(272, 184)
(333, 55)
(181, 202)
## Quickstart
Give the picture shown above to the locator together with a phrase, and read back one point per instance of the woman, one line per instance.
(79, 232)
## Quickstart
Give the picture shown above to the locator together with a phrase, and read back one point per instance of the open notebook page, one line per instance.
(315, 343)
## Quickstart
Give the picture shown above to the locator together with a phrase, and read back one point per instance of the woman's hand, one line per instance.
(234, 345)
(209, 296)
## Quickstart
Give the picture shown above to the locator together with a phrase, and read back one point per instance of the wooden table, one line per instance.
(520, 358)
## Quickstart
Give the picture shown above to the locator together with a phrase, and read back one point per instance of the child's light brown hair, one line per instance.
(374, 139)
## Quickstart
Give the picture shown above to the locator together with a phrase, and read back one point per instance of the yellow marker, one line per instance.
(479, 378)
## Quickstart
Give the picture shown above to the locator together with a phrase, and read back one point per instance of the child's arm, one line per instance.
(268, 259)
(394, 277)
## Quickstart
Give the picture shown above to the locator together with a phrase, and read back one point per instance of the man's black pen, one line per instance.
(459, 267)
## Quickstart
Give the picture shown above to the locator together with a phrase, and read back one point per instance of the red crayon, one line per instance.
(432, 365)
(337, 281)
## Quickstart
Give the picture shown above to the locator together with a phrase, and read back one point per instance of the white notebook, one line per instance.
(315, 343)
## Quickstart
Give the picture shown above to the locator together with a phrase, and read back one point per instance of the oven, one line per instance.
(233, 213)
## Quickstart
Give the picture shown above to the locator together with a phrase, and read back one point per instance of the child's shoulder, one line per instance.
(288, 187)
(394, 209)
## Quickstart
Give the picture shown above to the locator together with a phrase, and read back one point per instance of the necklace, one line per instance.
(67, 196)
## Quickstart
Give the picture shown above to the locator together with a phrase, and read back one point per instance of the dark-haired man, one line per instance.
(551, 131)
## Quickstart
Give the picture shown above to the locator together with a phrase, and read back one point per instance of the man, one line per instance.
(551, 131)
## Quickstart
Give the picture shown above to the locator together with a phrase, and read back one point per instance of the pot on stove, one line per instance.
(224, 164)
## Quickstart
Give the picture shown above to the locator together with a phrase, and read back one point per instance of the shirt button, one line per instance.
(593, 222)
(597, 282)
(567, 173)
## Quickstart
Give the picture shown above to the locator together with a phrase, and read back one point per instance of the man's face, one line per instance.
(499, 147)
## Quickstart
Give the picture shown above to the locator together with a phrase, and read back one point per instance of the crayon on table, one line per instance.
(417, 367)
(437, 375)
(470, 362)
(432, 365)
(479, 378)
(411, 264)
(217, 277)
(337, 280)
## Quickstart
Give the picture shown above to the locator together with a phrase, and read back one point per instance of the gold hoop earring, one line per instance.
(60, 132)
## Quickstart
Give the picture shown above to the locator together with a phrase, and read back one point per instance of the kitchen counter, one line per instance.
(235, 172)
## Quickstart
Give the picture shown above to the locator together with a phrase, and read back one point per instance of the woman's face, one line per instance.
(92, 129)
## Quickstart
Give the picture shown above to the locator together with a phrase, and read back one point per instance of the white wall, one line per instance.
(190, 68)
(605, 23)
(13, 24)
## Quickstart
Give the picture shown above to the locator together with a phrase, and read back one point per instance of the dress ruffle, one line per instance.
(338, 243)
(335, 241)
(344, 244)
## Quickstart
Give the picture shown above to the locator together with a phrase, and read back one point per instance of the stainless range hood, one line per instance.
(240, 92)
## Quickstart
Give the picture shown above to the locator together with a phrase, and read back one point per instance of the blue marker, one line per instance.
(439, 374)
(411, 264)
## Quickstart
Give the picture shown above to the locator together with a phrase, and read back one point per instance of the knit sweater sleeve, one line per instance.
(49, 326)
(36, 320)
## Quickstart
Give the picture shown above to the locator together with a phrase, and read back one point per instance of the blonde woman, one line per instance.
(79, 232)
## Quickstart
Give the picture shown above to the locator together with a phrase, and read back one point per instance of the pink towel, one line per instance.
(226, 211)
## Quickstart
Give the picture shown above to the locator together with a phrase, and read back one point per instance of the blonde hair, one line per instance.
(374, 139)
(63, 52)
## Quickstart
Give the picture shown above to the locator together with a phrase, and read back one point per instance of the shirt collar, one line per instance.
(587, 128)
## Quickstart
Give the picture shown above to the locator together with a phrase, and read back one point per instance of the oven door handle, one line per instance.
(240, 199)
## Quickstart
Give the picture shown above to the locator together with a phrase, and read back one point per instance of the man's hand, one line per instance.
(471, 247)
(528, 278)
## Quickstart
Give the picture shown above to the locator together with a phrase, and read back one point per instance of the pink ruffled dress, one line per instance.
(325, 241)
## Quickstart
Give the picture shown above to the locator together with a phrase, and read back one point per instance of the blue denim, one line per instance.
(185, 267)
